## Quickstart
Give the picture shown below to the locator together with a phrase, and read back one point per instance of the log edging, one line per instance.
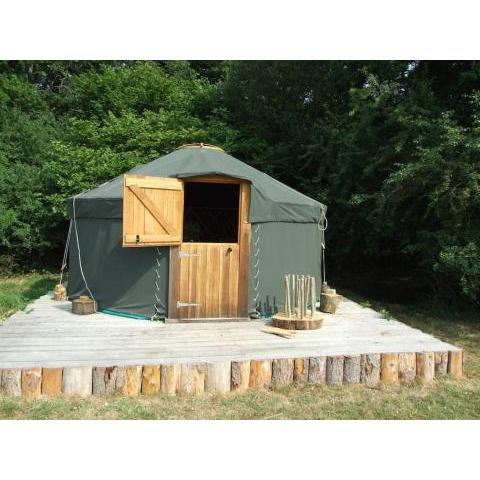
(369, 369)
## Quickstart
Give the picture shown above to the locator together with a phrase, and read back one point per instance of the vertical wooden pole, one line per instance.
(31, 382)
(287, 296)
(389, 368)
(52, 381)
(240, 376)
(407, 367)
(426, 366)
(441, 363)
(282, 371)
(313, 289)
(455, 363)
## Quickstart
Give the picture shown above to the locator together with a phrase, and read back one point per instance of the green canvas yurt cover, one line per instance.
(122, 279)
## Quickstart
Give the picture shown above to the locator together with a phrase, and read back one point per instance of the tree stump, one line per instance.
(77, 381)
(335, 370)
(170, 379)
(192, 379)
(52, 381)
(426, 366)
(218, 377)
(59, 293)
(151, 380)
(455, 364)
(300, 370)
(351, 370)
(31, 383)
(12, 382)
(260, 373)
(282, 371)
(389, 368)
(84, 305)
(407, 367)
(441, 363)
(370, 369)
(317, 370)
(329, 302)
(240, 376)
(133, 381)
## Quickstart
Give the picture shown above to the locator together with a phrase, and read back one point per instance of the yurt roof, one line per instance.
(271, 200)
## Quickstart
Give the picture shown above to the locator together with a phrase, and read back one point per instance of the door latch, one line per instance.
(186, 304)
(187, 254)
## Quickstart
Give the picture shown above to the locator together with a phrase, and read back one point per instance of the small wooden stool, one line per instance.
(330, 300)
(84, 305)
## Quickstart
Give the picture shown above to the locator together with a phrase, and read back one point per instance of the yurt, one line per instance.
(193, 235)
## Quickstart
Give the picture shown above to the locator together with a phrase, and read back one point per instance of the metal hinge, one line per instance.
(185, 304)
(187, 254)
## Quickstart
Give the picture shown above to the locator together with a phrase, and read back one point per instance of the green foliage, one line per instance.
(391, 147)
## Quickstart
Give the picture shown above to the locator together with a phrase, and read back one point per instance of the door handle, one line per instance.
(229, 250)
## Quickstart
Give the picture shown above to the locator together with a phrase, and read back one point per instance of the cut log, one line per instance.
(77, 381)
(407, 367)
(351, 370)
(289, 324)
(335, 370)
(192, 379)
(370, 369)
(441, 363)
(84, 305)
(120, 380)
(240, 376)
(170, 379)
(59, 293)
(110, 380)
(389, 368)
(98, 381)
(151, 379)
(426, 366)
(260, 373)
(52, 381)
(133, 381)
(12, 382)
(218, 377)
(455, 363)
(317, 370)
(31, 382)
(282, 371)
(329, 302)
(300, 370)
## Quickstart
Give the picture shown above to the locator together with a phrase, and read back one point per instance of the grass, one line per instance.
(16, 292)
(446, 398)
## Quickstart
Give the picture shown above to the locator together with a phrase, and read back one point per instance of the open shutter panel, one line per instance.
(152, 211)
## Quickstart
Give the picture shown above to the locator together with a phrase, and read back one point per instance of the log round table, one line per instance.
(280, 320)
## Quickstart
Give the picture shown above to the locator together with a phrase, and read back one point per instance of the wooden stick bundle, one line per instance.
(300, 292)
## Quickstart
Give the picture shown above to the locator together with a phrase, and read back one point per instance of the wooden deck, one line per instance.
(48, 336)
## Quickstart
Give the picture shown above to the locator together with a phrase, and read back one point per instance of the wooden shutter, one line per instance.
(152, 211)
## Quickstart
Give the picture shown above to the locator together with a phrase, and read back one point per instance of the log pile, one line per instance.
(369, 369)
(300, 304)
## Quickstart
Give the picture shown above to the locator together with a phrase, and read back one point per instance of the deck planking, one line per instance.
(46, 334)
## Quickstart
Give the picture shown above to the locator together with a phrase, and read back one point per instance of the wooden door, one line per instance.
(152, 211)
(207, 280)
(210, 280)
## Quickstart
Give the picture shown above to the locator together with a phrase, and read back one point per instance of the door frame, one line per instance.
(243, 240)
